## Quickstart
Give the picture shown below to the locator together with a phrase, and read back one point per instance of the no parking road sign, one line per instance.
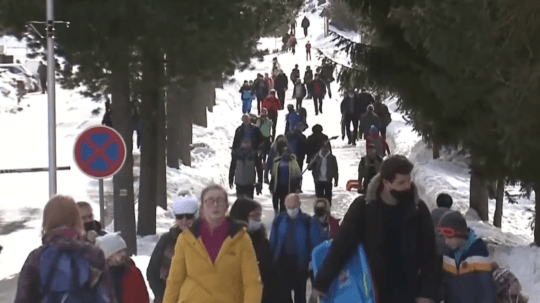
(100, 152)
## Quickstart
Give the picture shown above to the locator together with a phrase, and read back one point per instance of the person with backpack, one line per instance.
(468, 272)
(367, 120)
(184, 211)
(297, 142)
(308, 51)
(245, 167)
(329, 224)
(246, 92)
(369, 167)
(249, 213)
(295, 75)
(273, 106)
(127, 279)
(394, 226)
(325, 170)
(282, 84)
(308, 81)
(266, 127)
(43, 279)
(293, 236)
(299, 93)
(286, 179)
(305, 24)
(348, 114)
(291, 119)
(319, 91)
(261, 91)
(214, 260)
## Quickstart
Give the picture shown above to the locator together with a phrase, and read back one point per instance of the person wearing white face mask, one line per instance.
(249, 213)
(293, 236)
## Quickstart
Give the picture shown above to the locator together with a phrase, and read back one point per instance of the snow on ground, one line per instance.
(24, 195)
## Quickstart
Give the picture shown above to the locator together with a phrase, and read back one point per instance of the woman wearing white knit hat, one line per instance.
(184, 210)
(127, 279)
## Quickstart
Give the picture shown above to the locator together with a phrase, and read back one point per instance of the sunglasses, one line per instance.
(182, 216)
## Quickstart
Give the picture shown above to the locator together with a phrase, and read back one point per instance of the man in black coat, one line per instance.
(281, 85)
(42, 72)
(305, 24)
(395, 228)
(249, 131)
(315, 142)
(364, 100)
(348, 113)
(261, 91)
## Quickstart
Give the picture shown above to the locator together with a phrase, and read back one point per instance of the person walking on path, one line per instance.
(43, 279)
(299, 93)
(297, 142)
(269, 82)
(291, 119)
(282, 84)
(369, 167)
(246, 131)
(293, 236)
(308, 51)
(305, 24)
(127, 279)
(349, 116)
(381, 110)
(319, 92)
(272, 105)
(277, 149)
(375, 139)
(444, 205)
(249, 213)
(329, 224)
(246, 171)
(367, 120)
(308, 81)
(286, 179)
(295, 75)
(261, 91)
(184, 210)
(266, 127)
(293, 26)
(325, 170)
(214, 260)
(292, 43)
(397, 234)
(42, 73)
(246, 93)
(315, 142)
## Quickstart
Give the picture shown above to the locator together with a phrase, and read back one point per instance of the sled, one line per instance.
(353, 284)
(353, 184)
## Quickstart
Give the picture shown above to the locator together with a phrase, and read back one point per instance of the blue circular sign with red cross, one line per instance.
(100, 152)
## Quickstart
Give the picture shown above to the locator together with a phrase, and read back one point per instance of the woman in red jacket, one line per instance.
(322, 212)
(272, 104)
(127, 279)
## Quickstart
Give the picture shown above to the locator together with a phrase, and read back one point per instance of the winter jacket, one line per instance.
(292, 41)
(319, 88)
(160, 263)
(271, 103)
(305, 22)
(297, 141)
(381, 110)
(244, 166)
(308, 76)
(265, 126)
(332, 172)
(468, 273)
(331, 226)
(308, 47)
(29, 284)
(295, 74)
(348, 106)
(436, 215)
(132, 283)
(367, 120)
(261, 88)
(42, 71)
(234, 277)
(295, 174)
(240, 134)
(300, 90)
(273, 154)
(291, 119)
(366, 222)
(282, 82)
(307, 235)
(376, 139)
(265, 260)
(326, 73)
(246, 93)
(368, 168)
(314, 144)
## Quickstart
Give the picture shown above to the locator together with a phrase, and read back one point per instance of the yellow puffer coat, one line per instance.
(233, 278)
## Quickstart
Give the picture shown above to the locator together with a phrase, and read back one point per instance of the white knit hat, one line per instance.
(111, 244)
(185, 205)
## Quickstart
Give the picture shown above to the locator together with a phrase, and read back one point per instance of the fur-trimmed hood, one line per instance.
(376, 183)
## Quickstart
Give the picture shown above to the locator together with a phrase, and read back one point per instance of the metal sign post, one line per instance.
(51, 97)
(101, 203)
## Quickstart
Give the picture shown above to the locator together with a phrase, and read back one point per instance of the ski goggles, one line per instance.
(182, 216)
(449, 232)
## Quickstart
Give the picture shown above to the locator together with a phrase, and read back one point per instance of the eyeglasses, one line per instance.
(182, 216)
(218, 201)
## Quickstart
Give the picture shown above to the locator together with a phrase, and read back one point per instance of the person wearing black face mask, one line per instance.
(398, 236)
(330, 225)
(91, 226)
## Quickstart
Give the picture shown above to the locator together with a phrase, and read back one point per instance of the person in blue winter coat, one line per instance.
(247, 95)
(468, 270)
(293, 237)
(291, 119)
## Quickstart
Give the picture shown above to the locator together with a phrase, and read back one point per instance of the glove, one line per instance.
(259, 188)
(335, 183)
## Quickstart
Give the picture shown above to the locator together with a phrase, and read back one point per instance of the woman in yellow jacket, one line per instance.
(214, 261)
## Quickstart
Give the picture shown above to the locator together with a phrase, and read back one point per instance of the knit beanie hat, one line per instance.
(504, 279)
(374, 129)
(111, 244)
(185, 205)
(241, 209)
(455, 222)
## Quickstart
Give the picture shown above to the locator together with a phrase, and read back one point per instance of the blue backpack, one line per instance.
(65, 277)
(293, 119)
(353, 284)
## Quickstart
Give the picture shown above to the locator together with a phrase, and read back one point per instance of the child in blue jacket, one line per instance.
(468, 271)
(247, 95)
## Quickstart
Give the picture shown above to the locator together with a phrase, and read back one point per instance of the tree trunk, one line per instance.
(200, 100)
(479, 194)
(173, 126)
(161, 197)
(436, 151)
(124, 210)
(149, 147)
(497, 217)
(536, 187)
(186, 126)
